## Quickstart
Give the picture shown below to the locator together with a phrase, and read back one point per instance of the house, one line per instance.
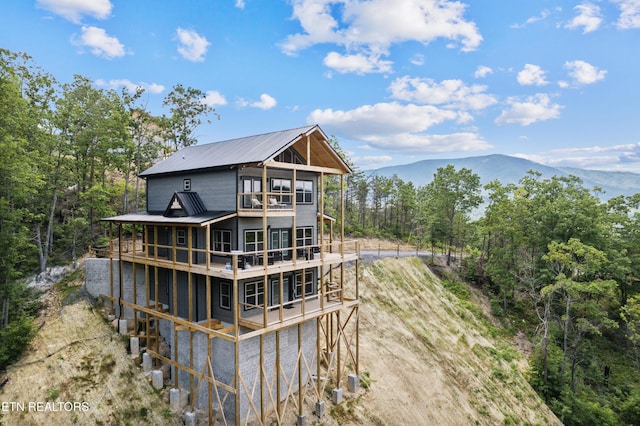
(235, 277)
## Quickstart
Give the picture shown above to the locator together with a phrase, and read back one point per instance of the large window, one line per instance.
(252, 189)
(253, 241)
(253, 294)
(281, 189)
(304, 192)
(222, 240)
(307, 281)
(225, 295)
(304, 237)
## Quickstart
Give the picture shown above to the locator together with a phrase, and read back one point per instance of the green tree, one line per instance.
(451, 195)
(188, 108)
(20, 182)
(582, 293)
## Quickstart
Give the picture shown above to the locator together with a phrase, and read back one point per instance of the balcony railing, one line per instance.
(255, 202)
(228, 264)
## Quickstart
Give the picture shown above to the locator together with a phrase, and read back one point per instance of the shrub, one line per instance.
(14, 338)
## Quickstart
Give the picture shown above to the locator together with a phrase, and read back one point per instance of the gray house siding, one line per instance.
(217, 189)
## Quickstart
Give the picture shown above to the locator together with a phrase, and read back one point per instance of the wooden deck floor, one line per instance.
(219, 270)
(299, 311)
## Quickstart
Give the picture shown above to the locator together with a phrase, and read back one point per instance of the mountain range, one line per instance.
(507, 169)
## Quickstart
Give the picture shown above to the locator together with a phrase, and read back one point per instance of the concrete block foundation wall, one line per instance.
(97, 282)
(223, 363)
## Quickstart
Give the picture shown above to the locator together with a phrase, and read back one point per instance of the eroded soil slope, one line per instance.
(78, 358)
(431, 359)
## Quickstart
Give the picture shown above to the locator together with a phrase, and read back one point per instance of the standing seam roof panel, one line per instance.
(251, 149)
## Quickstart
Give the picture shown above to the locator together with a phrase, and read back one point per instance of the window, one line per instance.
(253, 294)
(181, 237)
(186, 184)
(225, 295)
(304, 192)
(304, 237)
(222, 240)
(308, 283)
(281, 189)
(253, 241)
(252, 190)
(290, 156)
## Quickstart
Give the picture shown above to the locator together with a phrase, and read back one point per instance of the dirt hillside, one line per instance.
(77, 371)
(430, 358)
(426, 354)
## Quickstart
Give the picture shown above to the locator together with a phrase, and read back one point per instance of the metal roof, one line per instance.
(246, 150)
(187, 203)
(201, 219)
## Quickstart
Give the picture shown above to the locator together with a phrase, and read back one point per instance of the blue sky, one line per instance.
(395, 81)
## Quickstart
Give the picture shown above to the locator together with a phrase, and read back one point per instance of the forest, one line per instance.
(558, 264)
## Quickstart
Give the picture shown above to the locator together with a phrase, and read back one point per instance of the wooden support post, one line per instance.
(208, 245)
(265, 246)
(294, 230)
(190, 290)
(120, 272)
(209, 341)
(111, 310)
(175, 313)
(263, 407)
(157, 307)
(339, 335)
(300, 356)
(236, 354)
(277, 372)
(357, 366)
(318, 358)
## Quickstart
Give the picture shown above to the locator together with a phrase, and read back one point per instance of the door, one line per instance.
(280, 239)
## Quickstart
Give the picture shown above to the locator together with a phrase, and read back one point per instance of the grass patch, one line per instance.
(457, 288)
(52, 394)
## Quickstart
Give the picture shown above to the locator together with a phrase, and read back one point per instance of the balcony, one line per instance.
(252, 204)
(327, 300)
(236, 264)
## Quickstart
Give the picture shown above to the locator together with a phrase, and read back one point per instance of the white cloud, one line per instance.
(73, 10)
(396, 127)
(588, 18)
(240, 4)
(99, 42)
(448, 93)
(417, 59)
(583, 72)
(624, 157)
(629, 14)
(213, 98)
(369, 28)
(370, 161)
(482, 71)
(543, 15)
(266, 102)
(535, 108)
(532, 75)
(358, 63)
(192, 46)
(130, 86)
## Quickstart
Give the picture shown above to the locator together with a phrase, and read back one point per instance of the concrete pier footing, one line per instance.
(353, 383)
(157, 379)
(336, 396)
(146, 363)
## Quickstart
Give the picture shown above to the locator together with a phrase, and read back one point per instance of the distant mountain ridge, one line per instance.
(507, 169)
